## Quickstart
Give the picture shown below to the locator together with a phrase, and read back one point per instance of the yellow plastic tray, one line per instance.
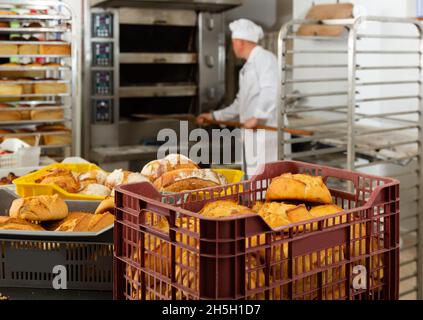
(27, 187)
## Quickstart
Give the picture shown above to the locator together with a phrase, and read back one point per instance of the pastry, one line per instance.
(55, 49)
(50, 88)
(96, 189)
(155, 169)
(189, 179)
(39, 208)
(299, 187)
(10, 114)
(9, 223)
(28, 49)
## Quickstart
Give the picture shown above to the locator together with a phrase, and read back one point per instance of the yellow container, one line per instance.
(27, 187)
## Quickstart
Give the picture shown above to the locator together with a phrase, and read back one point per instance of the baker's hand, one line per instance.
(251, 123)
(204, 117)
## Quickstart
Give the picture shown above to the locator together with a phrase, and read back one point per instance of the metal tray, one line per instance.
(104, 236)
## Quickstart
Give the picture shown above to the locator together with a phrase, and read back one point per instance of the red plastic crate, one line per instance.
(243, 258)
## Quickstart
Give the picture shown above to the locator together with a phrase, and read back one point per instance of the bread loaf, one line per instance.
(10, 114)
(55, 49)
(50, 88)
(9, 223)
(39, 208)
(189, 179)
(28, 49)
(107, 205)
(9, 89)
(155, 169)
(299, 187)
(224, 208)
(56, 114)
(8, 49)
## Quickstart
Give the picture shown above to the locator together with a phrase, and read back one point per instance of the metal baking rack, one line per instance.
(361, 95)
(57, 20)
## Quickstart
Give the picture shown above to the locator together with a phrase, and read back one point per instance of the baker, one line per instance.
(256, 101)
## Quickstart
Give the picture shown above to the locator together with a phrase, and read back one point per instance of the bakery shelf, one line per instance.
(22, 42)
(34, 81)
(158, 58)
(33, 134)
(36, 108)
(33, 122)
(23, 68)
(34, 17)
(54, 146)
(35, 30)
(35, 56)
(35, 95)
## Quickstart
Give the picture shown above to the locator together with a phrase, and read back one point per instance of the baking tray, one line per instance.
(104, 236)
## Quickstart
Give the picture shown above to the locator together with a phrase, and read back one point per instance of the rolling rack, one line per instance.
(52, 24)
(359, 123)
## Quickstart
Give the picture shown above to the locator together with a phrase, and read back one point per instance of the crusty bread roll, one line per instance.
(66, 224)
(55, 49)
(10, 114)
(39, 208)
(28, 49)
(8, 49)
(224, 208)
(50, 88)
(326, 210)
(299, 187)
(107, 205)
(155, 169)
(84, 222)
(96, 189)
(189, 179)
(9, 223)
(119, 176)
(67, 183)
(274, 213)
(98, 176)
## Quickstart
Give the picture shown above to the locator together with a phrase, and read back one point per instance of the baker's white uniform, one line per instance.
(257, 97)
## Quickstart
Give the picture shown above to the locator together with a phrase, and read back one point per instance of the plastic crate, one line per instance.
(27, 187)
(28, 258)
(25, 157)
(243, 258)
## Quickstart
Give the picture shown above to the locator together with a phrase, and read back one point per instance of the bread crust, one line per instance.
(299, 187)
(9, 223)
(39, 208)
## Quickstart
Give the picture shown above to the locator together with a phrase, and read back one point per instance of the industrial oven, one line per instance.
(145, 61)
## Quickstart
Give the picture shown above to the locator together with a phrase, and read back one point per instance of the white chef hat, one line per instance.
(246, 30)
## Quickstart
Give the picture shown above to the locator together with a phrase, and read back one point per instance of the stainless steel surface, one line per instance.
(158, 58)
(158, 17)
(200, 5)
(381, 133)
(212, 59)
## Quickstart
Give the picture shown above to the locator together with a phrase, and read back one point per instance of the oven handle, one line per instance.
(160, 21)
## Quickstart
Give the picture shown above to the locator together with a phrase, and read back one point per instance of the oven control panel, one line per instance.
(102, 25)
(103, 111)
(102, 83)
(103, 54)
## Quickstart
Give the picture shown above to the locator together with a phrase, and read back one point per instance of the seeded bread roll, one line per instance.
(189, 179)
(300, 187)
(39, 208)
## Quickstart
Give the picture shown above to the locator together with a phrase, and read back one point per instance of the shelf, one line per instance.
(34, 81)
(22, 42)
(34, 17)
(32, 122)
(64, 68)
(35, 95)
(158, 58)
(34, 134)
(34, 56)
(35, 30)
(35, 108)
(158, 91)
